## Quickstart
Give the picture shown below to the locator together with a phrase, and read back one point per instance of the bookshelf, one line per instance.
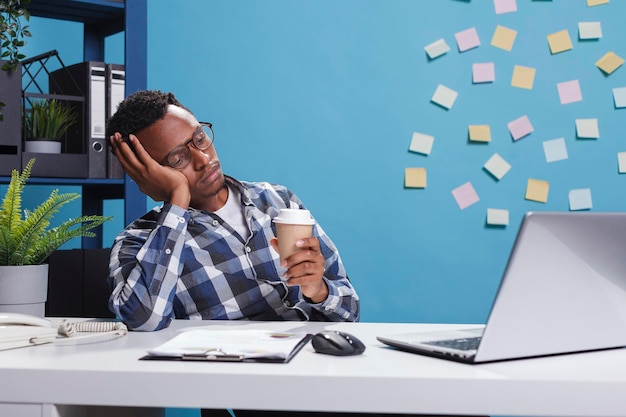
(102, 18)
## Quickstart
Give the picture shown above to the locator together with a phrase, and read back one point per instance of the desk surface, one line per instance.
(381, 380)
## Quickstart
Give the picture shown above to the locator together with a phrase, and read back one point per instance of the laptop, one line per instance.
(563, 291)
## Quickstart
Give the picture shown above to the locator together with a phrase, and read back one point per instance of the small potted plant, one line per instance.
(13, 32)
(45, 125)
(26, 241)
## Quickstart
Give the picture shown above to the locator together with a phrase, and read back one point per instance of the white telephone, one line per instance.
(19, 330)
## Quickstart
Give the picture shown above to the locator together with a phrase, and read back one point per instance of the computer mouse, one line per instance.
(332, 342)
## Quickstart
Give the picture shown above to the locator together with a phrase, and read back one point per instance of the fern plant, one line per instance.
(28, 239)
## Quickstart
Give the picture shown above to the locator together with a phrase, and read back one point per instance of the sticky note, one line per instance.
(555, 150)
(569, 92)
(619, 96)
(415, 177)
(505, 6)
(592, 3)
(537, 190)
(621, 162)
(497, 166)
(589, 30)
(483, 72)
(421, 143)
(559, 42)
(587, 128)
(467, 39)
(437, 48)
(497, 217)
(480, 133)
(520, 127)
(580, 199)
(465, 195)
(609, 62)
(523, 77)
(444, 96)
(503, 38)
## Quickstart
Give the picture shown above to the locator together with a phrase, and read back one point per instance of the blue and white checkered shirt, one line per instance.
(176, 263)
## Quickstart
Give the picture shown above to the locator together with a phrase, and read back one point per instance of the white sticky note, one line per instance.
(467, 39)
(619, 95)
(497, 166)
(589, 30)
(580, 199)
(555, 150)
(621, 162)
(587, 128)
(497, 217)
(444, 96)
(421, 143)
(437, 48)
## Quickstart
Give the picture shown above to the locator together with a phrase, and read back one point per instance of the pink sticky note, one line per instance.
(483, 72)
(520, 127)
(505, 6)
(465, 195)
(467, 39)
(569, 92)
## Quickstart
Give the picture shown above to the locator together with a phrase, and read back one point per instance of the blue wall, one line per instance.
(324, 96)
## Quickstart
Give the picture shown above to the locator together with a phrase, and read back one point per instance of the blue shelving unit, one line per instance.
(102, 18)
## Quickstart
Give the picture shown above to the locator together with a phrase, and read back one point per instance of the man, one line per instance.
(209, 251)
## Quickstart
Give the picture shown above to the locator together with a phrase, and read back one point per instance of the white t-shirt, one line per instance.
(232, 213)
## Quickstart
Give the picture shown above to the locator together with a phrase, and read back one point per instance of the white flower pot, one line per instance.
(24, 289)
(42, 146)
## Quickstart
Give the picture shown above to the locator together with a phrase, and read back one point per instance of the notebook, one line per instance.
(563, 291)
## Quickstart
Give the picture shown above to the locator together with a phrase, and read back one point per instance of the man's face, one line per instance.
(174, 131)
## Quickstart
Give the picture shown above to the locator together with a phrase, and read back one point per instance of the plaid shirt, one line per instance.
(175, 263)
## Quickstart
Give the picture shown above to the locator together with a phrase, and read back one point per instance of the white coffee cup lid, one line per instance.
(294, 216)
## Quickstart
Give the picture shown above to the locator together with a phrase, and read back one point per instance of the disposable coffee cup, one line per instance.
(292, 225)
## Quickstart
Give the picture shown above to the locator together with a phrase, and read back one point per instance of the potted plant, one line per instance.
(12, 34)
(26, 241)
(45, 125)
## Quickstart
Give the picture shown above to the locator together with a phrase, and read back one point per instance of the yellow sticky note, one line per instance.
(503, 38)
(523, 77)
(559, 42)
(609, 62)
(537, 190)
(415, 177)
(592, 3)
(480, 133)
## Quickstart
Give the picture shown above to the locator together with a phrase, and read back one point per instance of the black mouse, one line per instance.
(337, 343)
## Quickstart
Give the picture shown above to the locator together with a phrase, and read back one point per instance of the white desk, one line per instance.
(380, 380)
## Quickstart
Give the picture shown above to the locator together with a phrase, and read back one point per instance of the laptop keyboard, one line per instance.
(465, 343)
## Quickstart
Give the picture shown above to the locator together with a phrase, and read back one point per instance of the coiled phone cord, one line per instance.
(104, 330)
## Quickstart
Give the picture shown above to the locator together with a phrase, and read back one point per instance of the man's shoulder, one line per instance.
(258, 186)
(265, 192)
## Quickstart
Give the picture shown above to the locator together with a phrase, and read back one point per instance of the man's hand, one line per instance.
(156, 181)
(306, 268)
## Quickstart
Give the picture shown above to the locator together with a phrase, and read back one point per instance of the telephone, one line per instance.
(19, 330)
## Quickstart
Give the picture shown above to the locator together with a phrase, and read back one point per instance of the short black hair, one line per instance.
(140, 110)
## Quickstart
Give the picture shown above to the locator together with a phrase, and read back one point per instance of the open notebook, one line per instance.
(563, 291)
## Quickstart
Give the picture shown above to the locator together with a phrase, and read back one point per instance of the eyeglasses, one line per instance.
(180, 156)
